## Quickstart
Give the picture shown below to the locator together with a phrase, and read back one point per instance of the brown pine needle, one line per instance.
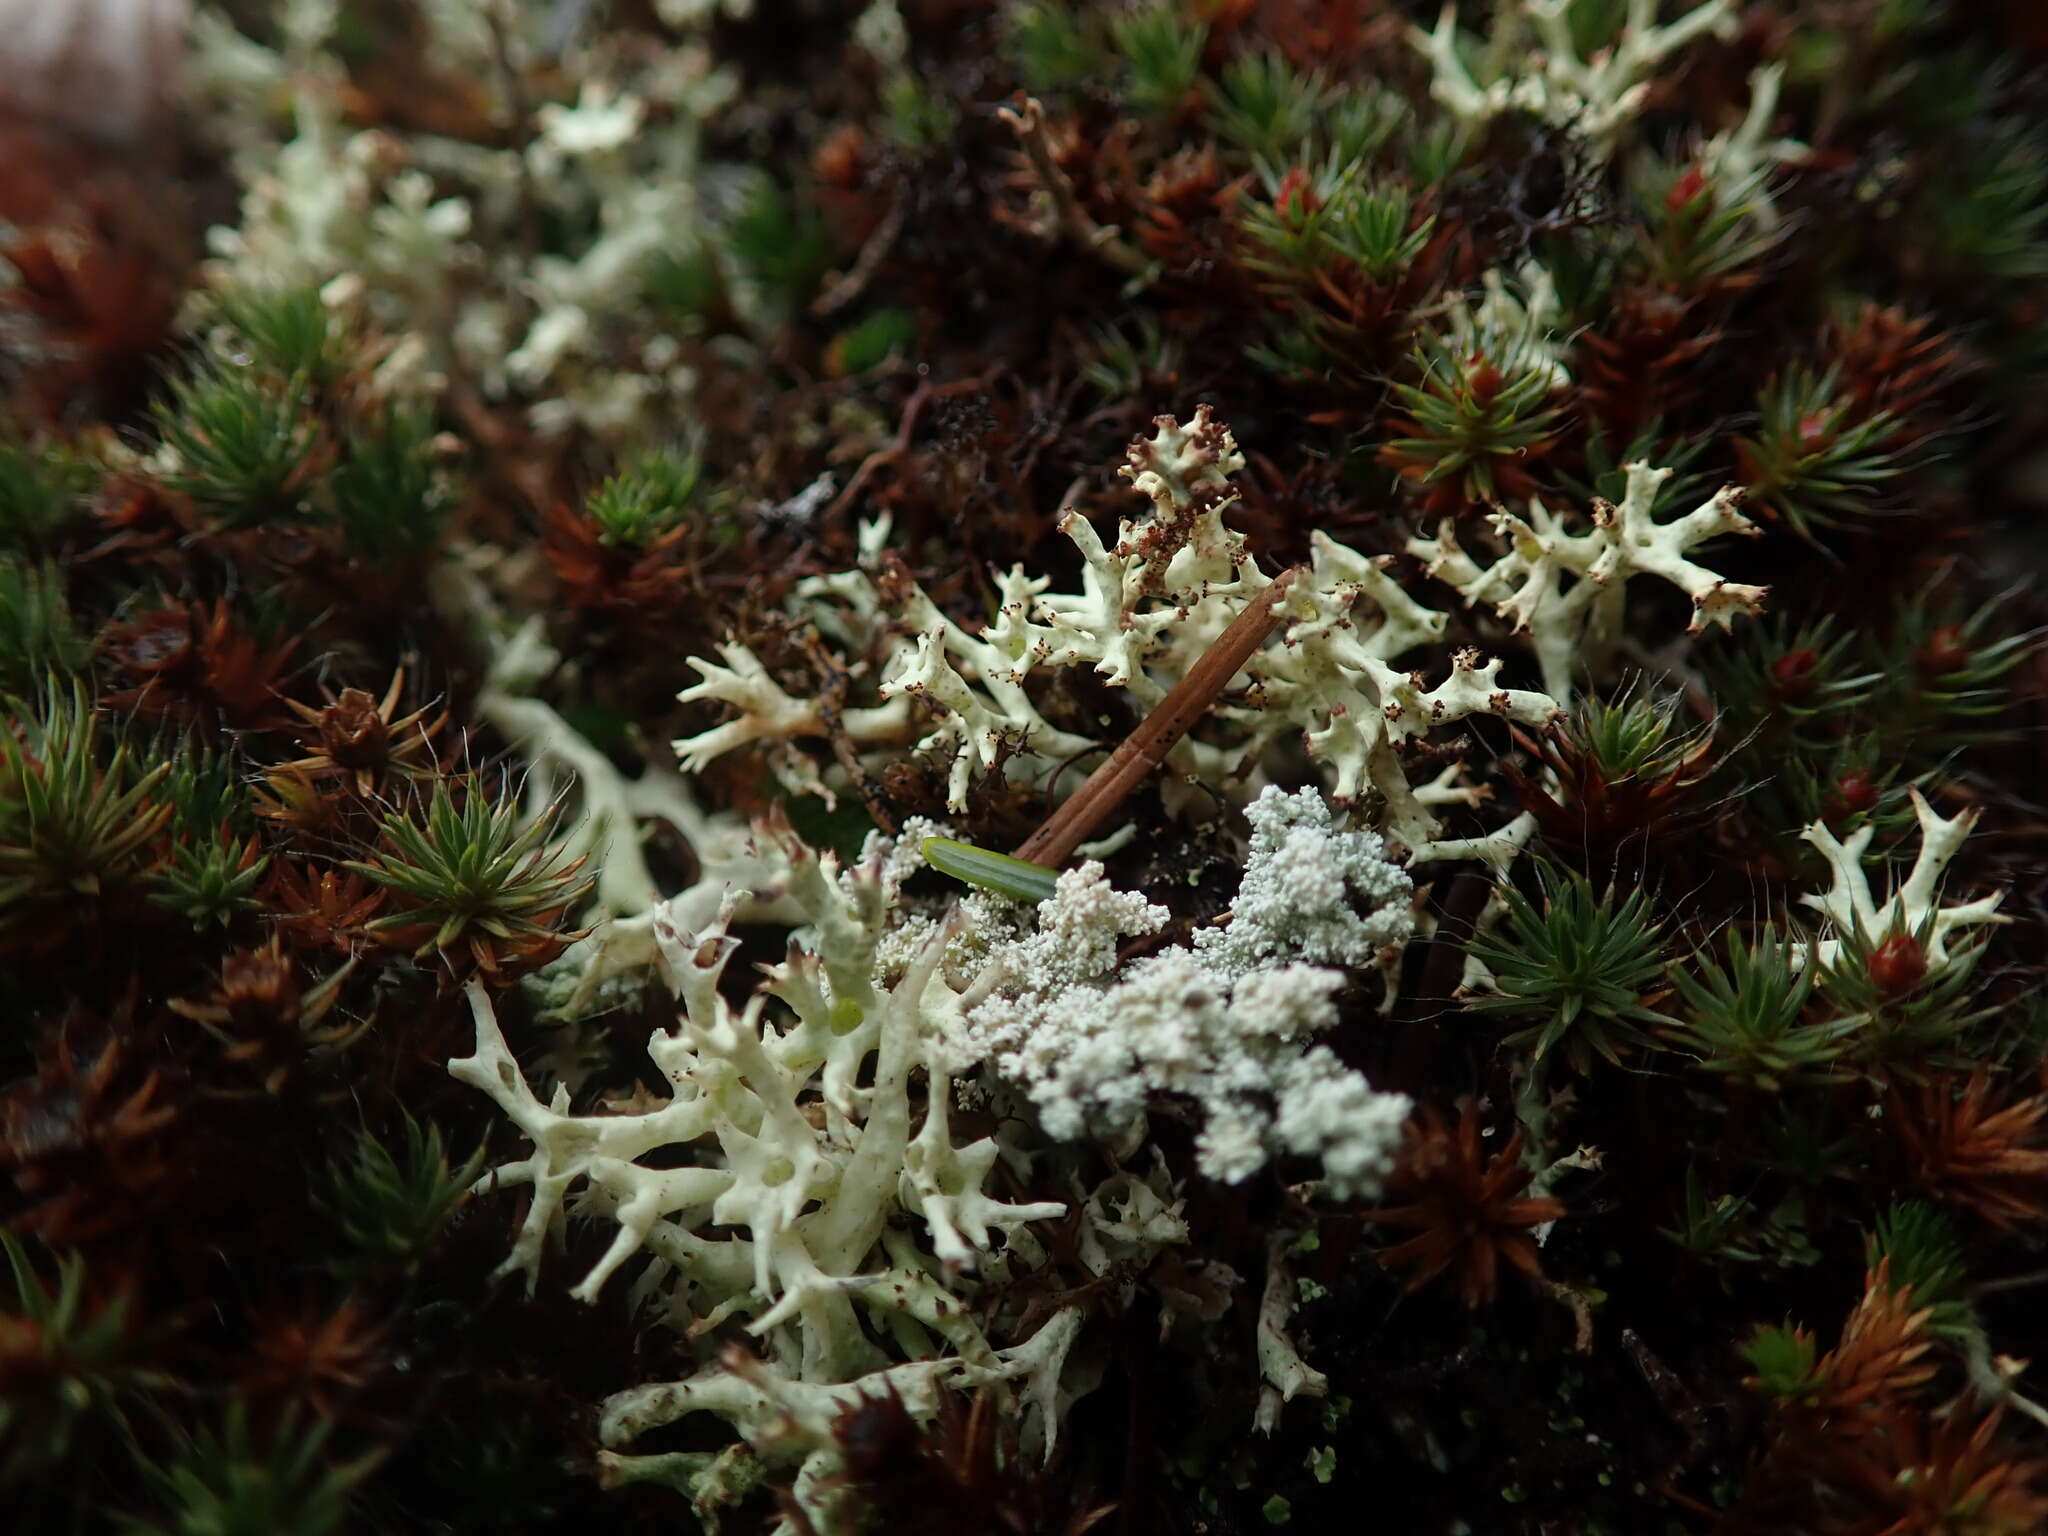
(1139, 753)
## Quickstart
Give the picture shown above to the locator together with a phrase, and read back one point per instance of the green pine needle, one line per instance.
(1017, 879)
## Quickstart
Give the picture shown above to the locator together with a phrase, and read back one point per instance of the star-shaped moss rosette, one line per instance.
(475, 883)
(1465, 1207)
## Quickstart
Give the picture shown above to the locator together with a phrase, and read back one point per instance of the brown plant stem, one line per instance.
(882, 458)
(849, 285)
(1139, 753)
(1027, 120)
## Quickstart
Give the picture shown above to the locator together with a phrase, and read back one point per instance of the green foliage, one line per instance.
(1711, 1228)
(474, 873)
(1125, 357)
(1731, 1229)
(1948, 665)
(1050, 45)
(1582, 964)
(646, 499)
(67, 1365)
(1470, 420)
(1926, 1258)
(286, 331)
(1782, 1361)
(1161, 48)
(1632, 736)
(1288, 232)
(1616, 773)
(686, 283)
(1435, 153)
(873, 340)
(777, 242)
(385, 494)
(1735, 1229)
(1987, 217)
(1264, 107)
(1294, 352)
(243, 439)
(1745, 1022)
(205, 790)
(1310, 225)
(1697, 232)
(1360, 122)
(210, 877)
(2017, 1034)
(211, 867)
(37, 636)
(69, 823)
(1816, 460)
(1790, 686)
(916, 114)
(1595, 24)
(214, 864)
(237, 1483)
(387, 1203)
(1904, 1012)
(40, 494)
(1851, 783)
(262, 430)
(1832, 726)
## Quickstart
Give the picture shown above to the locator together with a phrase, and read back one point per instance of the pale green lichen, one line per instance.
(431, 231)
(1148, 607)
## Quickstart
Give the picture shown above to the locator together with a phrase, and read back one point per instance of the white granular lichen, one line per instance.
(1299, 882)
(1224, 1023)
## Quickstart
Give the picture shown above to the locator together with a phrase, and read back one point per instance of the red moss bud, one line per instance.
(1792, 673)
(1898, 965)
(1295, 198)
(1692, 181)
(842, 159)
(1946, 650)
(25, 1359)
(1855, 792)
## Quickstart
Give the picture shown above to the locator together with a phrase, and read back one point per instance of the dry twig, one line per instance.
(1146, 747)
